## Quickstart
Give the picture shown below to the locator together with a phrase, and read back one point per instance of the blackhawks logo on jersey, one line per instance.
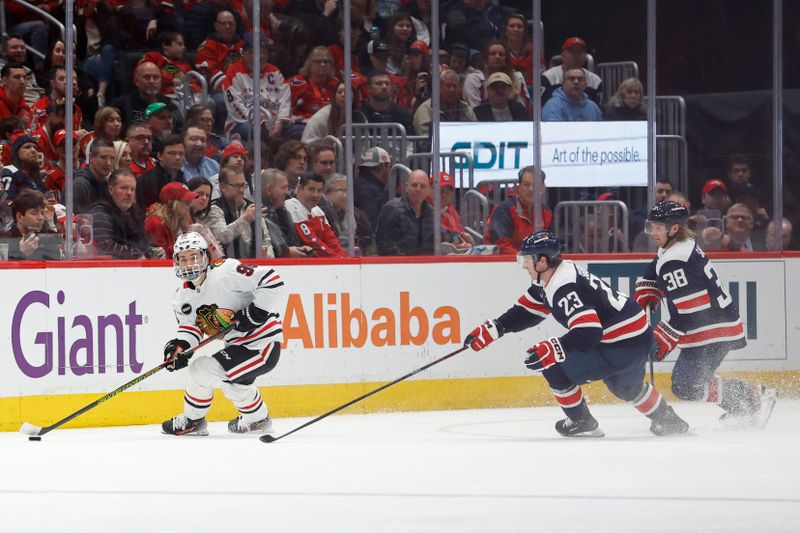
(212, 319)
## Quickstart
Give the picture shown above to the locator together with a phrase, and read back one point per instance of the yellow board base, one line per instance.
(152, 407)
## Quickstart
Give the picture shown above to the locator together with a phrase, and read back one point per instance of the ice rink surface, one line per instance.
(494, 470)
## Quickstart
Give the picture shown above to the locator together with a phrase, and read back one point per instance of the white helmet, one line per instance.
(186, 242)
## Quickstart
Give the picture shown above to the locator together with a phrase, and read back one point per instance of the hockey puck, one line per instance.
(35, 438)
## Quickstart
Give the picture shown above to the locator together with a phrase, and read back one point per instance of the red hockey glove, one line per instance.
(647, 293)
(173, 354)
(485, 334)
(666, 339)
(545, 354)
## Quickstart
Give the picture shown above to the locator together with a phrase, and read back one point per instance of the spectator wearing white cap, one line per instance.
(498, 106)
(369, 188)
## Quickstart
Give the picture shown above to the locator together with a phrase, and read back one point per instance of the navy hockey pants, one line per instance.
(620, 368)
(694, 368)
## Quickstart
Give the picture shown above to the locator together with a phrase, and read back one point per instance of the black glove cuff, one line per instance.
(170, 347)
(501, 329)
(255, 314)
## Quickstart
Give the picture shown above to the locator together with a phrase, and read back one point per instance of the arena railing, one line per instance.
(42, 13)
(609, 229)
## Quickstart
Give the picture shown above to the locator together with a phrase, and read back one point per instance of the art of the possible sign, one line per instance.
(574, 154)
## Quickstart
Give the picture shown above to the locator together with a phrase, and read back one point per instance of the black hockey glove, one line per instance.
(174, 354)
(249, 318)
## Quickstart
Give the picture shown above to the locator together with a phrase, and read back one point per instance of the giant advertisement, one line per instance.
(574, 154)
(78, 330)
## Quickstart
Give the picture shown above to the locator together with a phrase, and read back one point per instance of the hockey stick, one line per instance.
(270, 438)
(36, 432)
(651, 354)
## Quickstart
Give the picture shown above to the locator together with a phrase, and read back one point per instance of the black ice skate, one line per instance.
(238, 425)
(756, 411)
(586, 427)
(668, 423)
(183, 425)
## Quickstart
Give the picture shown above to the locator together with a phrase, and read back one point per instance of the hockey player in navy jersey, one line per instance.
(703, 320)
(608, 339)
(213, 296)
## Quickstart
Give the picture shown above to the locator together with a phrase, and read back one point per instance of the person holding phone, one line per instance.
(29, 239)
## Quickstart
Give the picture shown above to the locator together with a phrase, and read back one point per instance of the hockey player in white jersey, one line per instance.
(703, 320)
(213, 296)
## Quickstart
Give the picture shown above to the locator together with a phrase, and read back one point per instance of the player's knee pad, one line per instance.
(688, 391)
(206, 371)
(627, 392)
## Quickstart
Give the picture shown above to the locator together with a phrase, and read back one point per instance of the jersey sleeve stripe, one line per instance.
(692, 303)
(584, 319)
(258, 332)
(626, 329)
(730, 331)
(192, 332)
(533, 306)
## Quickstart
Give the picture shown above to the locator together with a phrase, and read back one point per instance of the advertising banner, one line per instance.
(574, 154)
(80, 330)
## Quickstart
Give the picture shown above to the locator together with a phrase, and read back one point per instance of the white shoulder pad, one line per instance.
(298, 211)
(564, 274)
(680, 251)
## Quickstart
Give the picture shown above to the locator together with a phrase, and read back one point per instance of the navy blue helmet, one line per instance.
(669, 213)
(541, 243)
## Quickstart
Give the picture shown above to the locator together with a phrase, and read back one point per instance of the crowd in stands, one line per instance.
(147, 166)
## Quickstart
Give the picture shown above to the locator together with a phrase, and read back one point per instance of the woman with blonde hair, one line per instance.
(315, 85)
(170, 216)
(122, 154)
(627, 103)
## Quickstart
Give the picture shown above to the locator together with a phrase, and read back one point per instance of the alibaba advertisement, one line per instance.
(574, 154)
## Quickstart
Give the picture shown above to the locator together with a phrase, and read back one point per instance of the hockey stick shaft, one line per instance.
(651, 354)
(270, 438)
(33, 430)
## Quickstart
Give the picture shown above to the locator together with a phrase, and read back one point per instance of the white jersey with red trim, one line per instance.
(275, 97)
(230, 286)
(592, 311)
(699, 306)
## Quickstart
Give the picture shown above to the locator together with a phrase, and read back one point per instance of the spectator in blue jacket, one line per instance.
(570, 102)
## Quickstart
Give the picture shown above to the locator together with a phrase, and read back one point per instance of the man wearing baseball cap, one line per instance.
(573, 55)
(26, 171)
(498, 106)
(715, 195)
(369, 188)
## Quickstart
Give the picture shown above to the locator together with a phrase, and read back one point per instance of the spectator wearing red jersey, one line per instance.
(57, 173)
(310, 221)
(45, 134)
(170, 61)
(452, 229)
(57, 95)
(12, 94)
(140, 138)
(219, 52)
(512, 220)
(314, 86)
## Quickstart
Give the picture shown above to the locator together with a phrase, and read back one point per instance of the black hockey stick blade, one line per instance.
(270, 438)
(33, 430)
